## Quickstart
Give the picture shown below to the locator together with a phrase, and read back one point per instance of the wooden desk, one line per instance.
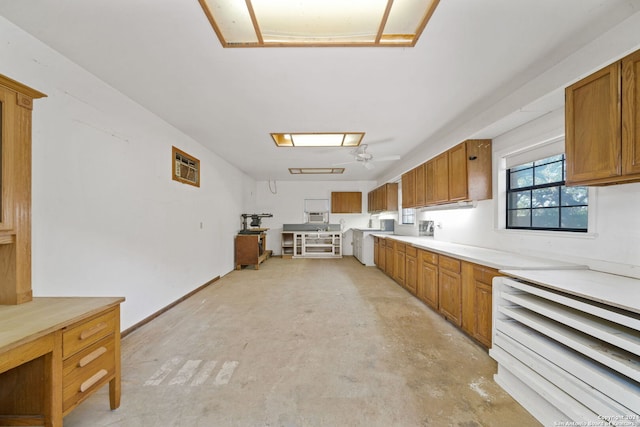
(54, 353)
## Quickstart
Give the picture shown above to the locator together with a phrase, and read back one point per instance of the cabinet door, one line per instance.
(382, 254)
(593, 130)
(438, 179)
(483, 304)
(409, 189)
(458, 189)
(631, 114)
(449, 294)
(399, 266)
(389, 259)
(411, 274)
(428, 282)
(411, 269)
(421, 185)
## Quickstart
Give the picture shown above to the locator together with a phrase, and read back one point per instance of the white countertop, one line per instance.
(618, 291)
(499, 260)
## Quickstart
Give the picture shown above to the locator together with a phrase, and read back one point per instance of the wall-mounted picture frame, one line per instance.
(185, 167)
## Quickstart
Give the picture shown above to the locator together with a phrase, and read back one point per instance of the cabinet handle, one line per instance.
(94, 379)
(89, 332)
(91, 357)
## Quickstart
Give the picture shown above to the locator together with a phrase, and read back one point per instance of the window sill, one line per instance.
(543, 233)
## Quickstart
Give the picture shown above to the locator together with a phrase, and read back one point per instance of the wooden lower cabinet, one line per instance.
(450, 289)
(477, 301)
(427, 287)
(411, 269)
(460, 291)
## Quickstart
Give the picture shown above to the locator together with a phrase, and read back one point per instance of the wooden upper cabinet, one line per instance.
(346, 202)
(383, 198)
(593, 142)
(631, 114)
(409, 189)
(602, 119)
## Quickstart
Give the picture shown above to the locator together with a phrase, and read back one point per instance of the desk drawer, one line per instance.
(86, 333)
(87, 370)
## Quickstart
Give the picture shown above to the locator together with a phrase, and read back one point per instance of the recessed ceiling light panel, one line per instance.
(311, 171)
(318, 139)
(259, 23)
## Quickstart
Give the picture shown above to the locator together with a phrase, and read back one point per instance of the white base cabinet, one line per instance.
(565, 358)
(317, 244)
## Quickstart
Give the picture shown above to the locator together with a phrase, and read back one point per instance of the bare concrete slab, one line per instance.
(306, 342)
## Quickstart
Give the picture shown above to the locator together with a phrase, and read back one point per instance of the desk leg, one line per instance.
(115, 383)
(53, 384)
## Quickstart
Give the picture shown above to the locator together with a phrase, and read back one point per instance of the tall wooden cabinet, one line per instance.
(16, 103)
(602, 119)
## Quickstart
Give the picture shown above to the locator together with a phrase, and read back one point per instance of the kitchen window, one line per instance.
(537, 198)
(408, 216)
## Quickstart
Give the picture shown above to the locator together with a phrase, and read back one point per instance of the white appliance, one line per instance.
(363, 246)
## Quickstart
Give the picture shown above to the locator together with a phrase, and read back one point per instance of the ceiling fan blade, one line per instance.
(345, 163)
(368, 165)
(387, 158)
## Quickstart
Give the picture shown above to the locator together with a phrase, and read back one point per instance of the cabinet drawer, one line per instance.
(450, 264)
(484, 275)
(429, 257)
(87, 370)
(400, 247)
(88, 332)
(411, 251)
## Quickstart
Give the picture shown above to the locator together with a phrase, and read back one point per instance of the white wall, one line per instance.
(107, 218)
(614, 231)
(287, 206)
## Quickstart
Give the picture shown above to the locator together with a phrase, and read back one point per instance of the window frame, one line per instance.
(176, 176)
(560, 185)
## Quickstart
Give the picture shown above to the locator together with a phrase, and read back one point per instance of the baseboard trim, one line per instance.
(166, 308)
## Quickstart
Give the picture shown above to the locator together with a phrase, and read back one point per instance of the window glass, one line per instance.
(537, 198)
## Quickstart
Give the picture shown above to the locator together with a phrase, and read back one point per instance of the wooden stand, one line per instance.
(251, 250)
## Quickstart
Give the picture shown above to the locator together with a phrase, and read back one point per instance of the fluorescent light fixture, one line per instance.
(261, 23)
(317, 139)
(310, 171)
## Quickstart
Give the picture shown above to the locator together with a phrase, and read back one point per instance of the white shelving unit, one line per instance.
(569, 354)
(321, 244)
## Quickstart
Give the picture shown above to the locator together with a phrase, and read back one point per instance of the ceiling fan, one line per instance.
(362, 156)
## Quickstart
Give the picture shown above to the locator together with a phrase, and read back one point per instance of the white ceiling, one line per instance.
(164, 55)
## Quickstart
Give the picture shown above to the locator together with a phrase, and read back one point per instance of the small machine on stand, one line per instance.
(251, 241)
(256, 221)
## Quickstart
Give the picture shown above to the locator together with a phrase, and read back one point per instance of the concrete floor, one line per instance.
(303, 343)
